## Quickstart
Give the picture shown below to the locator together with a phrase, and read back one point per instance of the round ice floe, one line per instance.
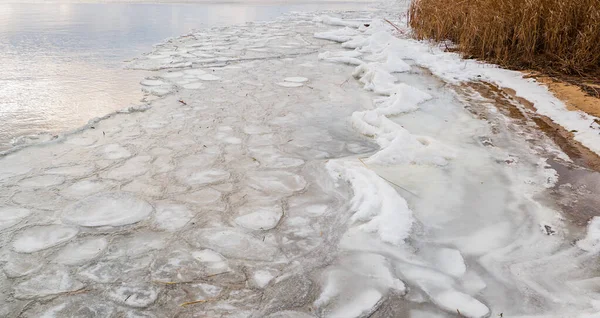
(295, 79)
(19, 266)
(232, 243)
(82, 251)
(171, 217)
(280, 182)
(289, 84)
(37, 238)
(107, 209)
(133, 296)
(206, 197)
(202, 177)
(10, 216)
(42, 181)
(84, 188)
(51, 282)
(260, 217)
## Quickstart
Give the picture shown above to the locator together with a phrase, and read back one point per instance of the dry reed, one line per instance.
(552, 35)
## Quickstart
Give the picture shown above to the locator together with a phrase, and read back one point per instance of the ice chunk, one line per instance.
(10, 216)
(340, 35)
(214, 262)
(204, 197)
(133, 167)
(85, 188)
(344, 57)
(21, 265)
(81, 251)
(232, 243)
(260, 217)
(37, 238)
(50, 282)
(279, 182)
(171, 217)
(261, 278)
(325, 19)
(107, 209)
(136, 244)
(195, 178)
(186, 266)
(453, 301)
(115, 270)
(138, 296)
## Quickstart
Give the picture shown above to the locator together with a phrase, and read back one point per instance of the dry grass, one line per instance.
(554, 35)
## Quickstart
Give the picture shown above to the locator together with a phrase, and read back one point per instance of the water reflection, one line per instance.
(61, 64)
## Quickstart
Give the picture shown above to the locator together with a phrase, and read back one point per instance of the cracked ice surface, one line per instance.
(187, 200)
(254, 187)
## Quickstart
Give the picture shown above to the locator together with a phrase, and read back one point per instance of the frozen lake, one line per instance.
(62, 62)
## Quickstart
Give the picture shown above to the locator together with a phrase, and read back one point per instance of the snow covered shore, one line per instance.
(282, 174)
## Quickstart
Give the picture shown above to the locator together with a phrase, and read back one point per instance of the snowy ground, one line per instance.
(268, 181)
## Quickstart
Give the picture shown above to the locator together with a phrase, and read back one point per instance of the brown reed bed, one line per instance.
(558, 37)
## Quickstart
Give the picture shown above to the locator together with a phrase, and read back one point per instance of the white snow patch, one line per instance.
(261, 278)
(378, 206)
(453, 301)
(591, 242)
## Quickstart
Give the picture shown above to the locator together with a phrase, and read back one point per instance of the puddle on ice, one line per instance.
(380, 196)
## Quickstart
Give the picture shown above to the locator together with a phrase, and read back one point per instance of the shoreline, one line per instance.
(287, 185)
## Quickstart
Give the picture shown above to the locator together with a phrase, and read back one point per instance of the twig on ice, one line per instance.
(395, 27)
